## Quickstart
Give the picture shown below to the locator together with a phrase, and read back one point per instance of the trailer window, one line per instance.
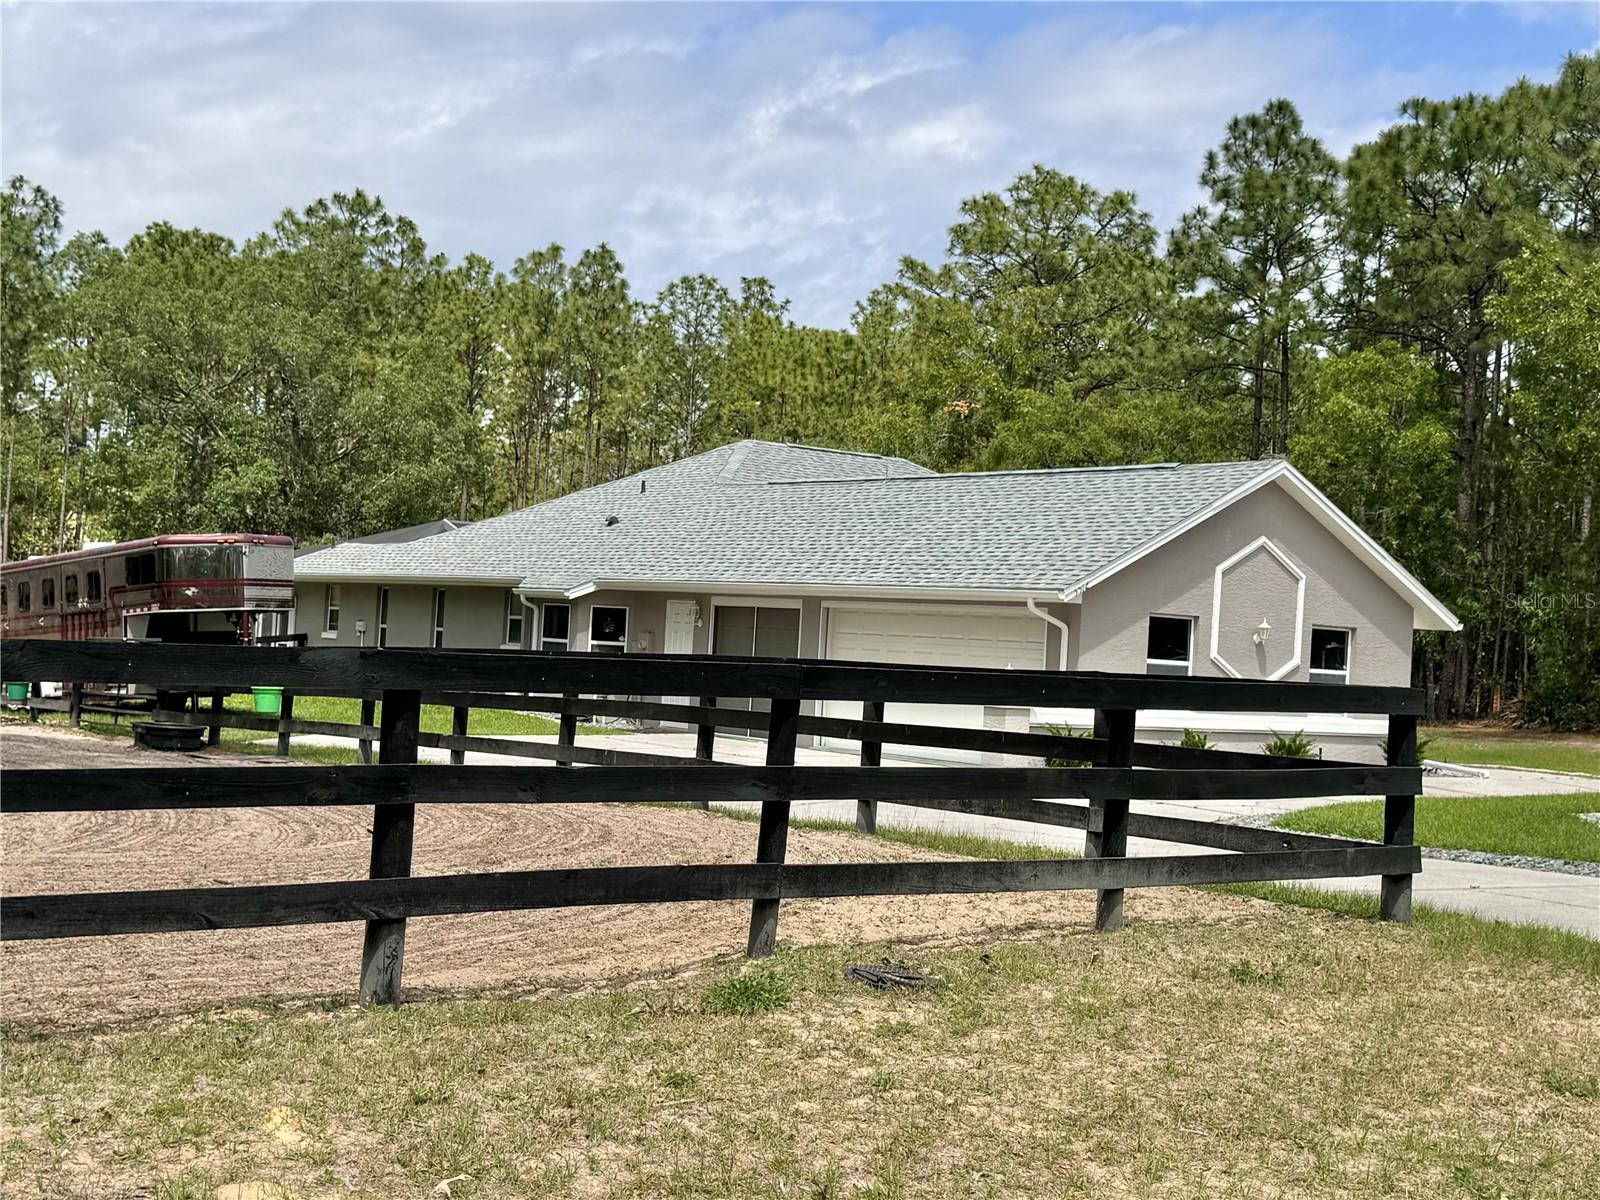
(24, 596)
(47, 592)
(93, 581)
(72, 588)
(141, 569)
(5, 597)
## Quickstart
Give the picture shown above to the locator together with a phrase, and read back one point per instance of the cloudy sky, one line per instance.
(813, 144)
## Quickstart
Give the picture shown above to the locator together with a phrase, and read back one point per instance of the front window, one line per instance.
(330, 609)
(608, 629)
(71, 588)
(1167, 645)
(47, 592)
(1330, 655)
(94, 587)
(555, 629)
(190, 564)
(513, 620)
(438, 618)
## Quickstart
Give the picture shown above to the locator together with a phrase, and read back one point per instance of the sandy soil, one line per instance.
(85, 980)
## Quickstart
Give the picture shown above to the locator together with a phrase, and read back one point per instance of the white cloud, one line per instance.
(806, 143)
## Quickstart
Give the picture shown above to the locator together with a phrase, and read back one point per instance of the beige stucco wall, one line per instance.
(1178, 580)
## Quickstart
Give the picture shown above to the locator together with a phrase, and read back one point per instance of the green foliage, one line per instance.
(758, 990)
(1289, 745)
(1413, 328)
(1066, 731)
(1195, 739)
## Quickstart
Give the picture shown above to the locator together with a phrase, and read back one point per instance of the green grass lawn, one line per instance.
(436, 718)
(1536, 751)
(1547, 826)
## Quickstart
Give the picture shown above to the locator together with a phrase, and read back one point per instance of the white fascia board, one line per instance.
(827, 590)
(1428, 612)
(1429, 609)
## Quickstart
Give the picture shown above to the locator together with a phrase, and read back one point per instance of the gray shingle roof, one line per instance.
(763, 513)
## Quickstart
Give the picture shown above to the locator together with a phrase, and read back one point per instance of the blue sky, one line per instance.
(814, 144)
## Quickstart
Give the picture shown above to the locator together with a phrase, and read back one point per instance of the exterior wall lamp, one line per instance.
(1259, 637)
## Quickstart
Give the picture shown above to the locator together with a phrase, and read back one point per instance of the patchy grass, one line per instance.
(1282, 1052)
(1460, 933)
(968, 845)
(1496, 746)
(757, 990)
(1547, 826)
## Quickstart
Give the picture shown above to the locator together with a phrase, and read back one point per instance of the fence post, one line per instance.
(1399, 820)
(705, 746)
(871, 756)
(772, 837)
(458, 728)
(369, 710)
(285, 716)
(1107, 836)
(74, 705)
(383, 950)
(569, 727)
(35, 691)
(214, 730)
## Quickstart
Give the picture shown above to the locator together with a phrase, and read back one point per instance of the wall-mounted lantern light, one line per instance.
(1260, 635)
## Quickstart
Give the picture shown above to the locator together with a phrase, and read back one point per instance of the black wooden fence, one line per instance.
(573, 686)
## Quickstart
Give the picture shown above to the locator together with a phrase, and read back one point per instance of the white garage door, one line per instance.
(942, 637)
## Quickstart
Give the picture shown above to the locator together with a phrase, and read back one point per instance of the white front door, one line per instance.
(679, 636)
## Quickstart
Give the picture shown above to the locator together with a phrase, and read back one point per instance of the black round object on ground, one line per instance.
(159, 735)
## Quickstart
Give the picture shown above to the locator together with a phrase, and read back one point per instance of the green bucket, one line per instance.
(16, 691)
(268, 700)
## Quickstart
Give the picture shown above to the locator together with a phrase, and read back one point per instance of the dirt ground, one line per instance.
(87, 980)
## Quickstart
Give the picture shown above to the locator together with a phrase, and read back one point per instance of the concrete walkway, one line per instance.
(1503, 893)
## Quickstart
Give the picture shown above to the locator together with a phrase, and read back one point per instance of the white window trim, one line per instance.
(331, 614)
(566, 642)
(436, 620)
(381, 619)
(1186, 663)
(1321, 674)
(627, 626)
(515, 611)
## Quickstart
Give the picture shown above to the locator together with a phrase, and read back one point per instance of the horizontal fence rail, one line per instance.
(310, 670)
(97, 914)
(392, 686)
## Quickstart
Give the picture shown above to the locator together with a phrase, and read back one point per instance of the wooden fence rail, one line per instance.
(393, 685)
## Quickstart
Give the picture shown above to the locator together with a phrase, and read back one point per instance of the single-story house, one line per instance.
(1237, 569)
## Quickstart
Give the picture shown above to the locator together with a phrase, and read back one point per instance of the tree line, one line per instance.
(1416, 326)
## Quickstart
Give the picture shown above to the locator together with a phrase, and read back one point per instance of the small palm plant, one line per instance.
(1290, 745)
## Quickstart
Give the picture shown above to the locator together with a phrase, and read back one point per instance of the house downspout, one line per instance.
(1061, 655)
